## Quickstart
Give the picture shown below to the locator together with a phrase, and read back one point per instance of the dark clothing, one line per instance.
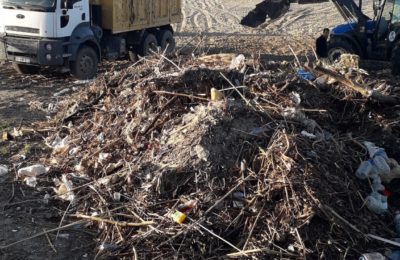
(322, 47)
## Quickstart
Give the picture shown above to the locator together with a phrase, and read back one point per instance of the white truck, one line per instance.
(76, 34)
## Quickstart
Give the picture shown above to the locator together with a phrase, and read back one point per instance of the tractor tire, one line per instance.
(25, 69)
(396, 60)
(166, 41)
(337, 48)
(148, 45)
(86, 63)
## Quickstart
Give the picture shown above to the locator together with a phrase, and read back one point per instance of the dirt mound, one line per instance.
(267, 170)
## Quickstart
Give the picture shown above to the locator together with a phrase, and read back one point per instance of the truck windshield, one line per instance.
(396, 12)
(40, 5)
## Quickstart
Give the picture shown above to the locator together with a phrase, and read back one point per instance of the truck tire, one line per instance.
(85, 65)
(396, 60)
(148, 43)
(338, 47)
(166, 41)
(25, 69)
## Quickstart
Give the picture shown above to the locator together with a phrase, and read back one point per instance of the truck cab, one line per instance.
(76, 34)
(47, 33)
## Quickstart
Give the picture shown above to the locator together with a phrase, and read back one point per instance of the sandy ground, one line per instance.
(209, 26)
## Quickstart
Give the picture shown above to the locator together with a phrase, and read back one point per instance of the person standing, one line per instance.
(322, 44)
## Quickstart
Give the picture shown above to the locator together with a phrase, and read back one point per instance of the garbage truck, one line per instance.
(75, 35)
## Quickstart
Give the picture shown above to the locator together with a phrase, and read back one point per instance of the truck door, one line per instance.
(70, 14)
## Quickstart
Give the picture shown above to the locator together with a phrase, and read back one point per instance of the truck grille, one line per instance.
(2, 50)
(22, 29)
(18, 45)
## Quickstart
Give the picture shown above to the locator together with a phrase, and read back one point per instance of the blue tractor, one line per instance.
(376, 38)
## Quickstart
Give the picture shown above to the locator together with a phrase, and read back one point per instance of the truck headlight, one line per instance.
(48, 46)
(48, 57)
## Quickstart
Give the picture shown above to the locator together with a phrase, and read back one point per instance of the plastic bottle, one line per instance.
(397, 222)
(380, 164)
(372, 256)
(377, 184)
(364, 170)
(178, 217)
(3, 170)
(377, 203)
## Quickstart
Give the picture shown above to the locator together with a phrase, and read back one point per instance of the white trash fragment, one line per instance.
(3, 170)
(308, 135)
(201, 153)
(75, 150)
(117, 196)
(32, 171)
(46, 198)
(101, 137)
(31, 181)
(238, 62)
(295, 97)
(61, 92)
(65, 189)
(60, 145)
(103, 157)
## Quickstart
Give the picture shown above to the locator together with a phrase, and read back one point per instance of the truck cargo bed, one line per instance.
(128, 15)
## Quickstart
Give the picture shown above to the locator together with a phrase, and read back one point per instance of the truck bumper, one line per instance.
(32, 51)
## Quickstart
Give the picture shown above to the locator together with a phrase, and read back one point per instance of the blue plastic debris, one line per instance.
(305, 75)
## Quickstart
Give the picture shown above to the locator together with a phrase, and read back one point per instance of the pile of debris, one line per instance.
(264, 167)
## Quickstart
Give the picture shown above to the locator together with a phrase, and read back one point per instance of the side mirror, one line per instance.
(67, 4)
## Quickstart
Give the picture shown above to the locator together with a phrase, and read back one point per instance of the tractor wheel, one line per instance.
(396, 60)
(25, 69)
(85, 65)
(148, 45)
(166, 41)
(337, 48)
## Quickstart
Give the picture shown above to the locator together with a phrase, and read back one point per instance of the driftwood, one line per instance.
(354, 86)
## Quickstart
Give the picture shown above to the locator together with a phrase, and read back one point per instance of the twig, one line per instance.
(384, 240)
(325, 207)
(159, 114)
(226, 195)
(43, 233)
(180, 94)
(260, 250)
(215, 235)
(252, 228)
(48, 240)
(237, 90)
(118, 223)
(297, 59)
(170, 61)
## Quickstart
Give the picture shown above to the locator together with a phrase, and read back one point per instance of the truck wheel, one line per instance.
(25, 69)
(166, 41)
(85, 65)
(337, 48)
(148, 44)
(396, 60)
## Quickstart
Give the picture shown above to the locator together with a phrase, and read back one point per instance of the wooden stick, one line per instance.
(351, 84)
(43, 233)
(226, 195)
(388, 241)
(252, 228)
(222, 239)
(341, 218)
(50, 243)
(118, 223)
(259, 250)
(159, 114)
(180, 94)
